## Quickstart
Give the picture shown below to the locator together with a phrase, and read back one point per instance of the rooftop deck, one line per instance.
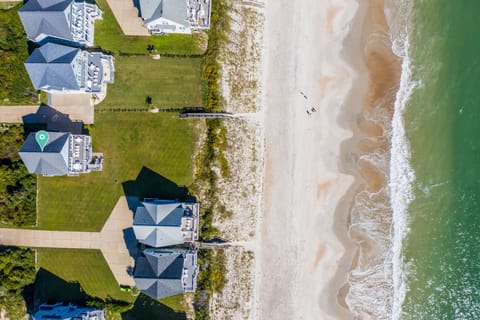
(198, 12)
(81, 158)
(190, 222)
(93, 70)
(82, 17)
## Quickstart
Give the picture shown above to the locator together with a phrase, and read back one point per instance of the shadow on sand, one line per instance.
(150, 184)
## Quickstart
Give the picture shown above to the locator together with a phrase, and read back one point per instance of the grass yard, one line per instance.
(169, 82)
(147, 308)
(130, 142)
(15, 85)
(109, 36)
(64, 273)
(87, 274)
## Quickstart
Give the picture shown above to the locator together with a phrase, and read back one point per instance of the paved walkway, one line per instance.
(79, 106)
(76, 106)
(14, 114)
(111, 240)
(127, 17)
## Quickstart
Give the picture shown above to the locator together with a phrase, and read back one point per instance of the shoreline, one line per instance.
(299, 247)
(368, 292)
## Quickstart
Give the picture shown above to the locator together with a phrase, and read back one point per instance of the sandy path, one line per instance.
(299, 251)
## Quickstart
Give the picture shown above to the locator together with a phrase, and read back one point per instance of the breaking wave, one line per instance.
(379, 218)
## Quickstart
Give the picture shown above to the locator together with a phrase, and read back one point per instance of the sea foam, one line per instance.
(402, 175)
(379, 220)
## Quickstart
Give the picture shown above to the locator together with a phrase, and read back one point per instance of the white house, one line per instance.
(65, 21)
(57, 68)
(175, 16)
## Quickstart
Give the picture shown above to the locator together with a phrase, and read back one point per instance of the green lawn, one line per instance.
(147, 308)
(109, 36)
(87, 275)
(129, 141)
(15, 85)
(64, 273)
(169, 82)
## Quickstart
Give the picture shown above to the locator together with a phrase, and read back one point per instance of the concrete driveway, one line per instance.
(116, 241)
(127, 17)
(14, 114)
(79, 106)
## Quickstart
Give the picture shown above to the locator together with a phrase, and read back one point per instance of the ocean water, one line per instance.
(437, 273)
(419, 236)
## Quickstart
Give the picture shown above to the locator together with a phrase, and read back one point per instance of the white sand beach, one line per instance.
(299, 260)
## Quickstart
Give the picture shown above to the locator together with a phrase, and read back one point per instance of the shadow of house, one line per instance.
(136, 4)
(150, 184)
(131, 242)
(50, 288)
(50, 119)
(31, 45)
(148, 308)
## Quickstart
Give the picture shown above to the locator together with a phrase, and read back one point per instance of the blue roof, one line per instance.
(158, 223)
(53, 161)
(46, 18)
(50, 67)
(172, 10)
(165, 272)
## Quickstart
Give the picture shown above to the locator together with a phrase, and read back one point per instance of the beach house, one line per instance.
(161, 273)
(67, 312)
(175, 16)
(59, 153)
(55, 68)
(64, 21)
(160, 223)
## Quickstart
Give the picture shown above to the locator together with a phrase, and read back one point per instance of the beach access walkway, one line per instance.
(110, 241)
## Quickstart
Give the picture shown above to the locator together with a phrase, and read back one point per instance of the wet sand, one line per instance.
(366, 157)
(338, 54)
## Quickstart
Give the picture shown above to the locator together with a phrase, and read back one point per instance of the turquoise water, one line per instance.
(442, 122)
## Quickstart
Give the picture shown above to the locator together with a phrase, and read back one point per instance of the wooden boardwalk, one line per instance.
(206, 115)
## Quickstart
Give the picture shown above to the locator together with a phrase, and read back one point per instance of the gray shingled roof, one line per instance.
(158, 272)
(158, 223)
(46, 17)
(148, 9)
(174, 10)
(53, 161)
(50, 67)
